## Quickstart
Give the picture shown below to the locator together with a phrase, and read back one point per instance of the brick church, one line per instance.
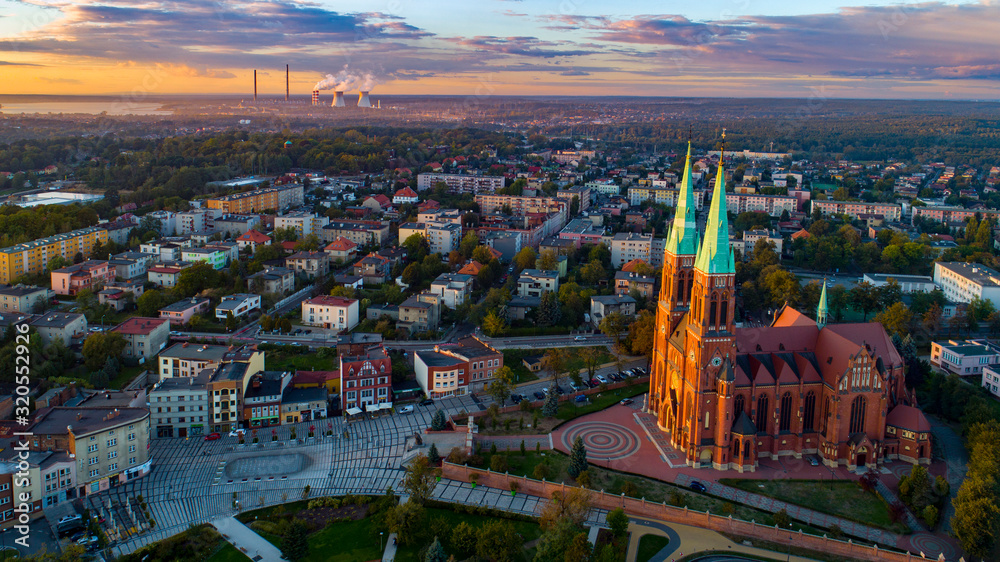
(729, 396)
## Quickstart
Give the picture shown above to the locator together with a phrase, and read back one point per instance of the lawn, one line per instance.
(513, 358)
(843, 498)
(570, 409)
(649, 545)
(228, 553)
(304, 360)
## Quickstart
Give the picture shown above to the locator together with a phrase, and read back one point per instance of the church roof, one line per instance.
(715, 255)
(791, 317)
(682, 239)
(743, 425)
(908, 417)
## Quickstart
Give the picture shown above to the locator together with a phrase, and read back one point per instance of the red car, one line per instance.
(213, 436)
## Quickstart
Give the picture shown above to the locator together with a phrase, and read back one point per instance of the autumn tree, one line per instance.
(896, 319)
(548, 260)
(525, 259)
(573, 505)
(418, 482)
(494, 325)
(614, 325)
(501, 385)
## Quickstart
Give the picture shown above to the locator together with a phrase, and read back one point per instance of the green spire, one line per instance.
(715, 255)
(822, 311)
(683, 237)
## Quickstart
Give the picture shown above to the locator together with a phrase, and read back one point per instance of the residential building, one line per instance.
(580, 192)
(167, 220)
(22, 298)
(179, 407)
(111, 444)
(251, 239)
(964, 357)
(226, 386)
(908, 435)
(442, 237)
(854, 209)
(181, 312)
(373, 269)
(193, 221)
(341, 250)
(212, 257)
(961, 281)
(439, 374)
(907, 283)
(582, 231)
(460, 183)
(420, 313)
(168, 251)
(279, 280)
(303, 404)
(189, 359)
(662, 195)
(405, 195)
(235, 226)
(304, 224)
(32, 258)
(337, 313)
(310, 265)
(603, 305)
(773, 205)
(230, 250)
(262, 398)
(453, 288)
(65, 327)
(365, 379)
(482, 362)
(53, 474)
(357, 343)
(144, 337)
(166, 275)
(90, 275)
(752, 237)
(132, 265)
(991, 379)
(604, 187)
(947, 214)
(627, 246)
(277, 198)
(361, 232)
(628, 281)
(238, 305)
(520, 205)
(535, 282)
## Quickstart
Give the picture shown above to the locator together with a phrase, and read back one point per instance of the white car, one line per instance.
(236, 433)
(406, 410)
(602, 378)
(579, 338)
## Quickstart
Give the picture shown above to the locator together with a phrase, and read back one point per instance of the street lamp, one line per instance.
(789, 558)
(102, 321)
(380, 533)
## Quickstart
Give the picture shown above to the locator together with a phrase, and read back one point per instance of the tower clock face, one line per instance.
(716, 361)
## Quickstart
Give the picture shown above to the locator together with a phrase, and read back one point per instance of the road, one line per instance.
(528, 389)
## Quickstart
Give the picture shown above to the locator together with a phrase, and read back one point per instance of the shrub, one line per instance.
(835, 532)
(630, 489)
(930, 516)
(541, 472)
(458, 456)
(498, 463)
(675, 499)
(781, 519)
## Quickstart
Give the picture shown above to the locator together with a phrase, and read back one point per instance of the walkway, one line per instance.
(246, 541)
(685, 540)
(390, 548)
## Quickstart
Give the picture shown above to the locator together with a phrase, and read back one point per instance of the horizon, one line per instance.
(776, 49)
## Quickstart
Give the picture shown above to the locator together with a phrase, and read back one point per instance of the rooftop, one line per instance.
(139, 326)
(974, 272)
(55, 319)
(184, 304)
(203, 352)
(326, 300)
(84, 421)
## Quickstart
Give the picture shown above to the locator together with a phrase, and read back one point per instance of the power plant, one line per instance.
(338, 100)
(315, 98)
(363, 100)
(344, 81)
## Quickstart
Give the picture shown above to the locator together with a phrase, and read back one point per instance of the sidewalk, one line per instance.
(390, 548)
(245, 540)
(685, 540)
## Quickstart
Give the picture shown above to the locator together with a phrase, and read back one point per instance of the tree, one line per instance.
(418, 481)
(641, 333)
(593, 272)
(464, 537)
(577, 458)
(548, 313)
(285, 325)
(554, 362)
(406, 520)
(579, 549)
(555, 542)
(781, 518)
(294, 545)
(57, 262)
(231, 323)
(614, 325)
(493, 325)
(864, 297)
(498, 540)
(525, 259)
(417, 247)
(574, 505)
(548, 260)
(482, 255)
(468, 245)
(500, 387)
(591, 359)
(617, 522)
(433, 455)
(896, 319)
(196, 279)
(149, 303)
(436, 552)
(97, 348)
(551, 405)
(438, 422)
(266, 323)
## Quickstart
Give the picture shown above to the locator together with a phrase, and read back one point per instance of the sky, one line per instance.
(725, 48)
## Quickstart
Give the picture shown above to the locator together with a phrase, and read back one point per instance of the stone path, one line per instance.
(390, 548)
(513, 442)
(890, 498)
(462, 492)
(246, 540)
(805, 515)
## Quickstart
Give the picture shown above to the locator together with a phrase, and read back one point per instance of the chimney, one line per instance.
(286, 82)
(338, 99)
(315, 97)
(363, 100)
(255, 84)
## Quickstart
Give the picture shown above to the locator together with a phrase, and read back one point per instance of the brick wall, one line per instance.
(683, 516)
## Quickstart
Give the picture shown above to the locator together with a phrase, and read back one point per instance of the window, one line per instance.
(112, 455)
(786, 412)
(92, 449)
(94, 473)
(858, 415)
(112, 467)
(761, 421)
(112, 442)
(131, 448)
(739, 407)
(131, 460)
(93, 461)
(808, 415)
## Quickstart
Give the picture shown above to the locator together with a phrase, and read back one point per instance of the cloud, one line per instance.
(61, 80)
(574, 72)
(519, 46)
(9, 63)
(192, 72)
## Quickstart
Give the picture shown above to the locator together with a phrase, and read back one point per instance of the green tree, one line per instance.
(231, 322)
(294, 545)
(433, 455)
(617, 522)
(525, 259)
(418, 481)
(579, 549)
(196, 279)
(438, 421)
(468, 245)
(482, 255)
(500, 387)
(417, 247)
(150, 303)
(641, 333)
(548, 313)
(555, 542)
(600, 254)
(436, 553)
(498, 540)
(864, 297)
(464, 537)
(577, 458)
(548, 260)
(896, 319)
(407, 521)
(266, 323)
(99, 347)
(614, 325)
(493, 325)
(593, 272)
(551, 405)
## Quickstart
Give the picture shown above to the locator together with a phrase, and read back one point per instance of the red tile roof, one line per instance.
(341, 244)
(908, 417)
(326, 300)
(406, 192)
(472, 268)
(139, 326)
(630, 266)
(255, 237)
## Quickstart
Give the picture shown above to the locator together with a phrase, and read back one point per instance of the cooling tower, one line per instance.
(363, 100)
(338, 99)
(315, 97)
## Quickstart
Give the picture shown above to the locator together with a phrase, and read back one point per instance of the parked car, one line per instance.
(427, 402)
(579, 338)
(406, 410)
(602, 379)
(78, 535)
(616, 377)
(698, 486)
(69, 519)
(626, 402)
(539, 396)
(578, 387)
(236, 433)
(516, 398)
(213, 436)
(560, 390)
(580, 398)
(813, 461)
(87, 540)
(594, 383)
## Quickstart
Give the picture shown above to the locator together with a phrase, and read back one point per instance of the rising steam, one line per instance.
(345, 80)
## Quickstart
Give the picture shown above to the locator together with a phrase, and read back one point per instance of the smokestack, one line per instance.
(286, 82)
(255, 84)
(363, 100)
(338, 99)
(315, 97)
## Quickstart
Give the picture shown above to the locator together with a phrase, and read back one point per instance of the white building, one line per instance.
(336, 313)
(458, 183)
(442, 237)
(453, 288)
(907, 283)
(303, 223)
(961, 281)
(991, 379)
(238, 305)
(628, 246)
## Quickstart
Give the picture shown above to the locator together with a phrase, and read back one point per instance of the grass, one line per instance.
(649, 545)
(843, 498)
(570, 410)
(513, 358)
(127, 374)
(228, 553)
(303, 361)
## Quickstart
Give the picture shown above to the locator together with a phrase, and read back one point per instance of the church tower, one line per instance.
(675, 286)
(822, 311)
(705, 418)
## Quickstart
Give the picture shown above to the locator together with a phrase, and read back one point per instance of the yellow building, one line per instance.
(32, 258)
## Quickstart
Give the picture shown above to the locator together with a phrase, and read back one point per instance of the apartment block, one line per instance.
(854, 209)
(179, 406)
(22, 298)
(420, 313)
(303, 223)
(277, 198)
(961, 281)
(88, 275)
(336, 313)
(144, 337)
(662, 195)
(32, 258)
(773, 205)
(361, 232)
(460, 183)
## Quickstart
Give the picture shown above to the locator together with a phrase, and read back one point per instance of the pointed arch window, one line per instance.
(858, 415)
(761, 421)
(786, 412)
(809, 414)
(739, 406)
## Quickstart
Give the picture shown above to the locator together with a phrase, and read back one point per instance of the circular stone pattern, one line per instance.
(604, 441)
(931, 546)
